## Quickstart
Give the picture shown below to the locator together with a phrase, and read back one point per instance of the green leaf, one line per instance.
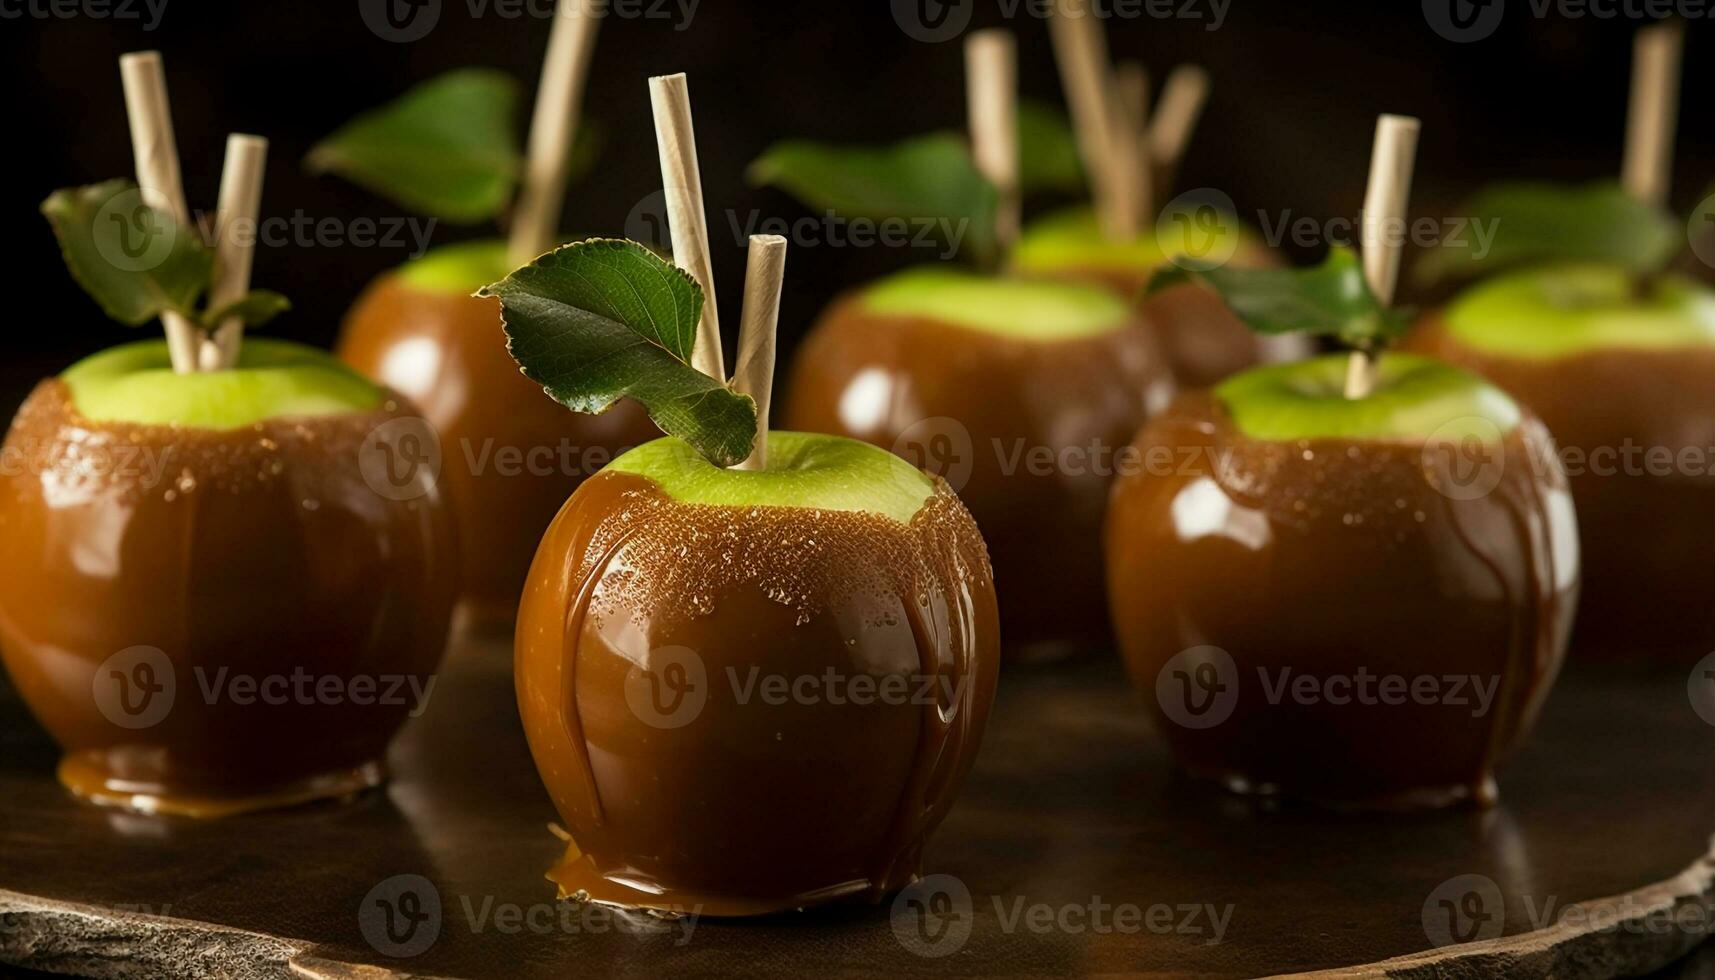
(1332, 299)
(1537, 223)
(604, 319)
(254, 308)
(447, 148)
(135, 261)
(926, 179)
(1048, 150)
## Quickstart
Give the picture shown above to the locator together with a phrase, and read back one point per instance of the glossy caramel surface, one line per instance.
(1637, 431)
(1024, 431)
(509, 454)
(1333, 559)
(163, 590)
(645, 630)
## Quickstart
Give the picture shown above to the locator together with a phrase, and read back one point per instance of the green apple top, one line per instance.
(135, 384)
(1559, 311)
(1022, 309)
(1073, 240)
(459, 269)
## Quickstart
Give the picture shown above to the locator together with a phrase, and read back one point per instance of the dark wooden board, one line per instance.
(1072, 803)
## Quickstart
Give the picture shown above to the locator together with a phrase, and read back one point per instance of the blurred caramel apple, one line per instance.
(221, 591)
(509, 456)
(754, 691)
(1019, 393)
(1201, 339)
(1358, 601)
(1620, 369)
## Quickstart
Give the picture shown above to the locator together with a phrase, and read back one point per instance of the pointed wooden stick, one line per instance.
(235, 243)
(764, 274)
(677, 142)
(991, 93)
(553, 131)
(1386, 202)
(1182, 101)
(1087, 77)
(1133, 154)
(157, 161)
(1648, 170)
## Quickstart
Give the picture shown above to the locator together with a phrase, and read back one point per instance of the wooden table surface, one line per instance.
(1075, 849)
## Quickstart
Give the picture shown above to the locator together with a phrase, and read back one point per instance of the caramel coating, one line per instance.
(1025, 430)
(1334, 558)
(230, 557)
(510, 454)
(646, 629)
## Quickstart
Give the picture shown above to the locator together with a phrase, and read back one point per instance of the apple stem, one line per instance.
(158, 180)
(1386, 201)
(235, 244)
(1176, 115)
(1647, 173)
(764, 276)
(1108, 149)
(553, 131)
(683, 183)
(991, 92)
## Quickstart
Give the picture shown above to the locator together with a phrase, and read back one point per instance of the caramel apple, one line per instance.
(1020, 393)
(1347, 579)
(1623, 382)
(207, 596)
(509, 457)
(1316, 598)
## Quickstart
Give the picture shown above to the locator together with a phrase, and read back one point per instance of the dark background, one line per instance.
(1296, 88)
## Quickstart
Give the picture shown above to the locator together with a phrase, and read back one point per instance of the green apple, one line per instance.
(135, 383)
(1558, 311)
(1414, 398)
(460, 269)
(804, 470)
(1073, 241)
(1023, 309)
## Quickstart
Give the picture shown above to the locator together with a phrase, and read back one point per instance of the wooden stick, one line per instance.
(991, 93)
(1182, 102)
(1134, 156)
(1386, 202)
(553, 131)
(1647, 174)
(677, 142)
(1087, 76)
(764, 274)
(235, 243)
(157, 161)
